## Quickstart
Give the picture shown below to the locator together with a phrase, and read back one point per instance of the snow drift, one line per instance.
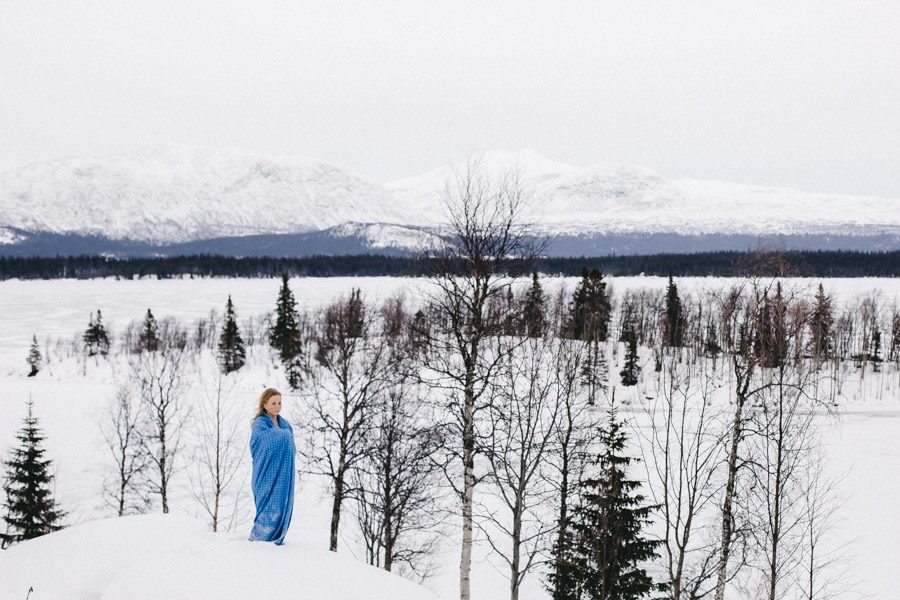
(174, 557)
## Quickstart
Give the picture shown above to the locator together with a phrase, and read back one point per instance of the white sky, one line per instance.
(802, 93)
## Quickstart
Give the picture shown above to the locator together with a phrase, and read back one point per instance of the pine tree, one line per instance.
(285, 335)
(607, 547)
(30, 508)
(96, 339)
(630, 370)
(232, 355)
(34, 359)
(149, 339)
(673, 321)
(590, 308)
(533, 319)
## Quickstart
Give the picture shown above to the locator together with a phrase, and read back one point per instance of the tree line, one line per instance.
(817, 263)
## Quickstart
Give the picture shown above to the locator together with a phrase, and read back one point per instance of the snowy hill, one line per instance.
(173, 558)
(185, 200)
(615, 198)
(178, 194)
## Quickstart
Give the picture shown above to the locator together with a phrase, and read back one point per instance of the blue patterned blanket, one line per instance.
(273, 451)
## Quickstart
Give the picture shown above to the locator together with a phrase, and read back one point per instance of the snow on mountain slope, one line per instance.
(156, 557)
(180, 194)
(616, 198)
(176, 194)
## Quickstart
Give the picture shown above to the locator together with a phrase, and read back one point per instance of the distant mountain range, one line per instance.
(186, 200)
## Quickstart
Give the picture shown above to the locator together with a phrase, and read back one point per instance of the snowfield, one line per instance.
(176, 556)
(150, 557)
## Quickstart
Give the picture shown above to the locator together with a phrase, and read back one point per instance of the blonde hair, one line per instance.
(267, 393)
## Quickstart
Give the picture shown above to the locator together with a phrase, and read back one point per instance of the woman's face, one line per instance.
(273, 406)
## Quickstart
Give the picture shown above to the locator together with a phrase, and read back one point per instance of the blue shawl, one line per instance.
(273, 451)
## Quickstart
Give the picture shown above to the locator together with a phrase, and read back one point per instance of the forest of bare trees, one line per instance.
(466, 417)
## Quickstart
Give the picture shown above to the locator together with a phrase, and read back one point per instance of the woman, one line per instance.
(272, 448)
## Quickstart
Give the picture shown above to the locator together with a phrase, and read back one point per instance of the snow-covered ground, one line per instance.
(150, 557)
(69, 393)
(57, 309)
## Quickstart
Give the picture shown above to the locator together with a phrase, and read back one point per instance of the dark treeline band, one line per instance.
(719, 264)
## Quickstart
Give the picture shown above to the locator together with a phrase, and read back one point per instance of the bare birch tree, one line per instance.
(399, 496)
(122, 423)
(740, 309)
(160, 375)
(517, 516)
(221, 436)
(682, 450)
(486, 245)
(351, 363)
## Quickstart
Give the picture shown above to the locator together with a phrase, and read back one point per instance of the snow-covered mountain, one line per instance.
(179, 194)
(615, 199)
(184, 199)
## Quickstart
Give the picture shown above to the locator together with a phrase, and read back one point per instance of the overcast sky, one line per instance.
(801, 93)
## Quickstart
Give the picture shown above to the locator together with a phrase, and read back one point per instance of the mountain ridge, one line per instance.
(176, 195)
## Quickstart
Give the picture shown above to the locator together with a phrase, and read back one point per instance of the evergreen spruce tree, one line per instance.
(356, 314)
(563, 574)
(34, 359)
(594, 369)
(631, 369)
(149, 339)
(232, 355)
(590, 308)
(895, 338)
(608, 547)
(88, 338)
(101, 335)
(509, 314)
(673, 320)
(96, 339)
(711, 346)
(533, 318)
(875, 355)
(820, 325)
(30, 510)
(770, 345)
(285, 334)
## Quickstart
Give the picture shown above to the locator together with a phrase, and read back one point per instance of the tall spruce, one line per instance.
(875, 355)
(895, 338)
(820, 325)
(673, 320)
(533, 315)
(631, 368)
(30, 510)
(285, 334)
(34, 359)
(149, 341)
(770, 344)
(594, 371)
(590, 309)
(96, 338)
(232, 355)
(711, 345)
(607, 548)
